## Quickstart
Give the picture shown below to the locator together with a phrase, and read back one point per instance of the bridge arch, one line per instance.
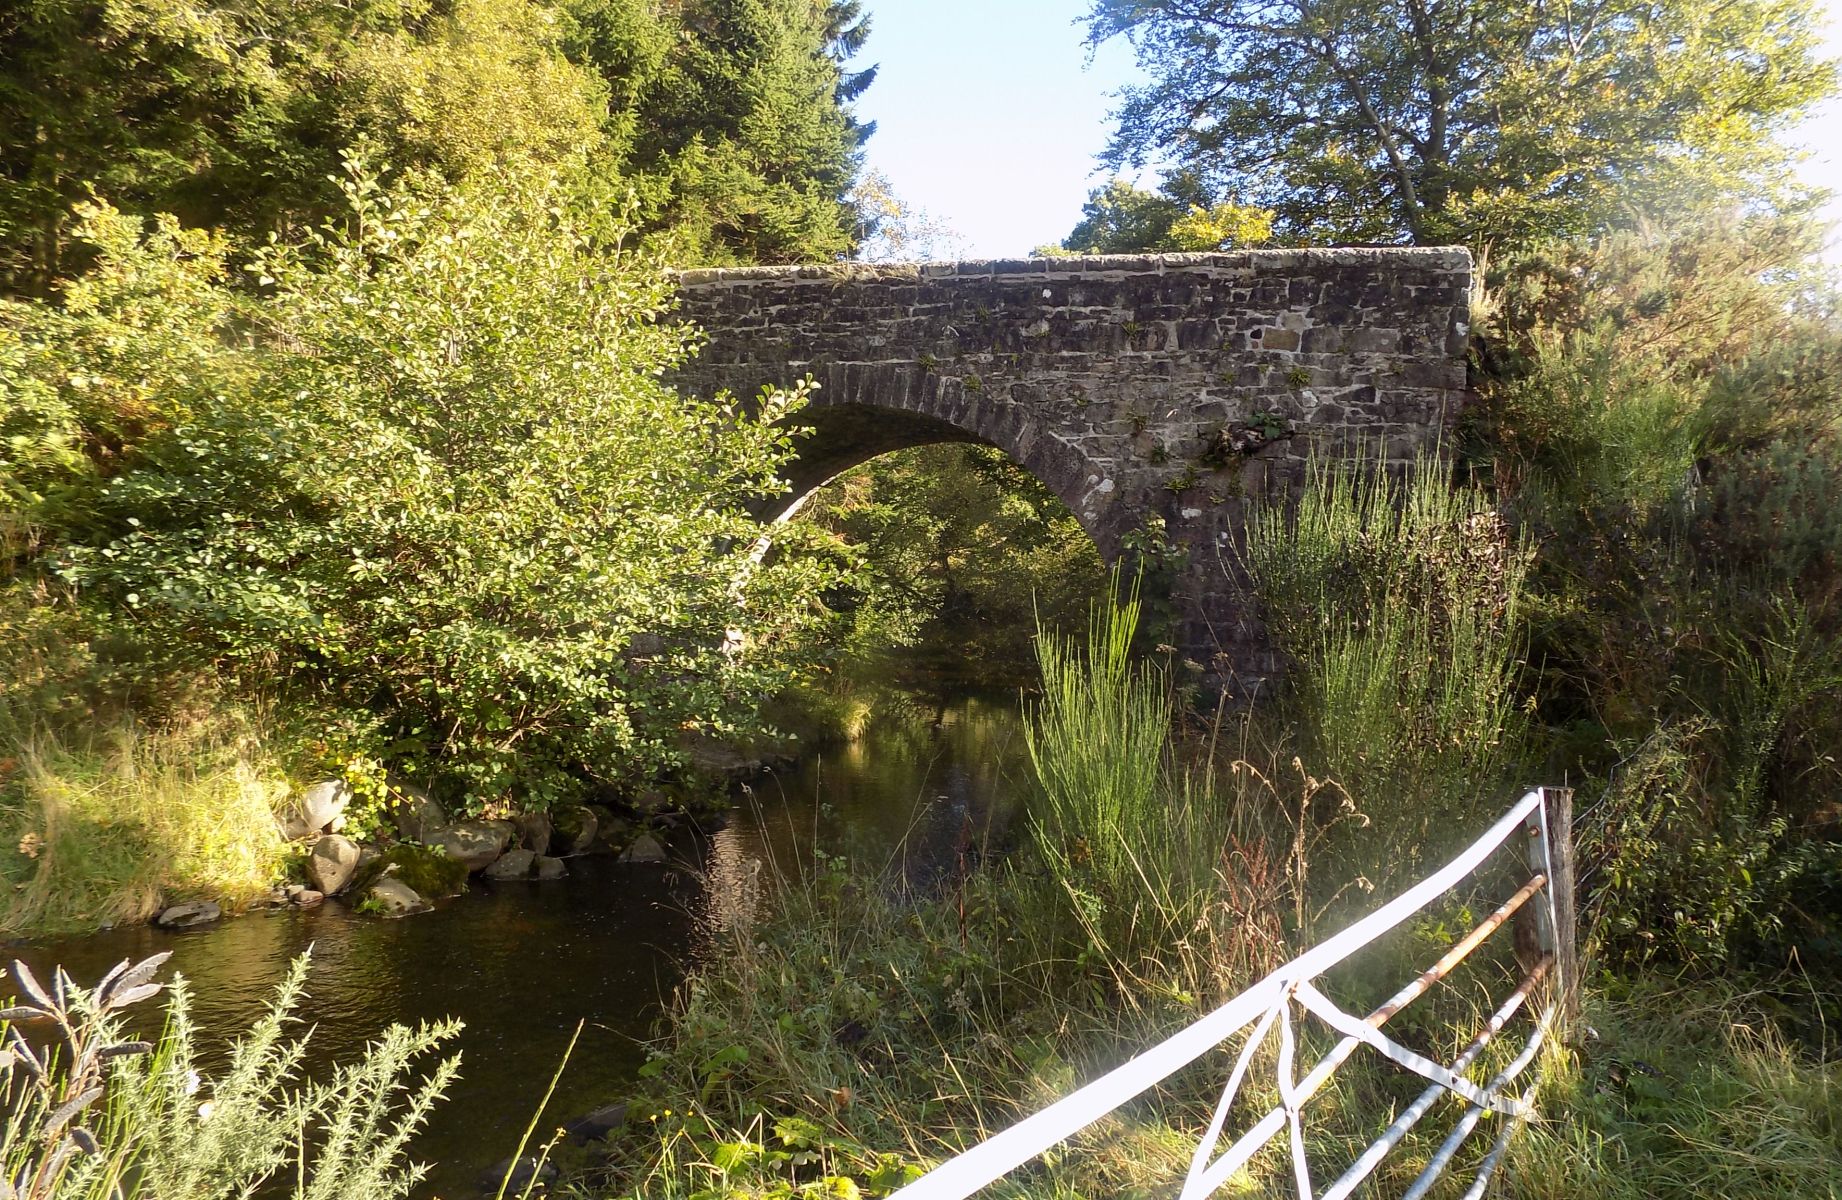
(1165, 388)
(847, 432)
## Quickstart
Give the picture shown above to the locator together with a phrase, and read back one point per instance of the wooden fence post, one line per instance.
(1558, 803)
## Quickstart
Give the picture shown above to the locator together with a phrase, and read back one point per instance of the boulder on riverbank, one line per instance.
(611, 831)
(545, 867)
(185, 916)
(332, 864)
(394, 898)
(597, 1125)
(535, 831)
(315, 809)
(415, 813)
(644, 849)
(428, 870)
(478, 844)
(528, 1174)
(513, 864)
(575, 828)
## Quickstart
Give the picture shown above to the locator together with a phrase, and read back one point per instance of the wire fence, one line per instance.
(1272, 1009)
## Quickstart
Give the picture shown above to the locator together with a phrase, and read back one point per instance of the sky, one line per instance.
(1822, 137)
(989, 114)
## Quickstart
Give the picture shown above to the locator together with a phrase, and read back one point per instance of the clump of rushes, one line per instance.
(1398, 600)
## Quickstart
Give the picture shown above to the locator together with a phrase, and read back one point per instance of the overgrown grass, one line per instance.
(103, 830)
(1397, 599)
(1688, 1090)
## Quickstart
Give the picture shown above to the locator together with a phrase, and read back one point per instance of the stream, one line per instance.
(521, 963)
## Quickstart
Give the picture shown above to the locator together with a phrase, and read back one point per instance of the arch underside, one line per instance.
(843, 436)
(847, 434)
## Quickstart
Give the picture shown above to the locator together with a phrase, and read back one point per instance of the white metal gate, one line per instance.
(1542, 819)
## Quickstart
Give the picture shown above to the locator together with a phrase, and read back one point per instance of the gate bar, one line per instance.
(990, 1160)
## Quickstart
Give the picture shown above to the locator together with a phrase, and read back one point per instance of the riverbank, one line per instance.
(520, 963)
(863, 1032)
(871, 1049)
(866, 1029)
(199, 820)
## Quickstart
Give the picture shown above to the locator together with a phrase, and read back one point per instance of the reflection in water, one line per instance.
(732, 882)
(521, 963)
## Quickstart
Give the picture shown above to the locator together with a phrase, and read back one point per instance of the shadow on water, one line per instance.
(521, 963)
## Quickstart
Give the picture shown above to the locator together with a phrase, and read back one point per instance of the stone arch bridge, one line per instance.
(1140, 389)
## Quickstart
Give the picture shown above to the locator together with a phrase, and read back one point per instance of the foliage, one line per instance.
(1467, 122)
(743, 147)
(1119, 218)
(1398, 603)
(103, 829)
(731, 119)
(232, 116)
(164, 1126)
(1663, 415)
(891, 231)
(959, 552)
(525, 552)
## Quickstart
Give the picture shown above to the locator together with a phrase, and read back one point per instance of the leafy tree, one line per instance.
(234, 115)
(889, 230)
(1662, 413)
(847, 29)
(1467, 120)
(434, 479)
(1120, 219)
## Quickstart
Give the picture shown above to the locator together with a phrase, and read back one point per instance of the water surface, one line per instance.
(522, 963)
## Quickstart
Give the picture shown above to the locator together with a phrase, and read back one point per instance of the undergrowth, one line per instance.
(1168, 868)
(88, 1112)
(102, 829)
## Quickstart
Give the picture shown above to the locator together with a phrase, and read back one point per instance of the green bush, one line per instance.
(425, 469)
(90, 1114)
(1664, 422)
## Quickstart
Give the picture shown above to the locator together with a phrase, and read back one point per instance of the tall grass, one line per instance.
(1163, 872)
(1097, 743)
(103, 830)
(1397, 598)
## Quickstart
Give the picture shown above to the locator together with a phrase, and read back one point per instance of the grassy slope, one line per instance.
(104, 830)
